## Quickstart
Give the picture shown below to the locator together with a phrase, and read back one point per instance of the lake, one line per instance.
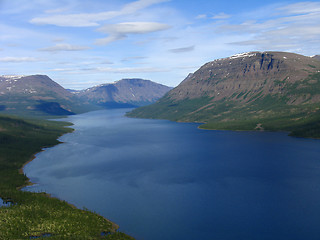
(164, 180)
(5, 203)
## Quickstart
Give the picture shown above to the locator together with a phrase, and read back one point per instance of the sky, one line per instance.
(83, 43)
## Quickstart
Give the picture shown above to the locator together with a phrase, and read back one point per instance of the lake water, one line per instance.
(164, 180)
(5, 203)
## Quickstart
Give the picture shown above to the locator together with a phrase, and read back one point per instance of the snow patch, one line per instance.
(12, 77)
(30, 91)
(243, 55)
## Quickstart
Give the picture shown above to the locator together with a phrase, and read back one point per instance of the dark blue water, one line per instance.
(164, 180)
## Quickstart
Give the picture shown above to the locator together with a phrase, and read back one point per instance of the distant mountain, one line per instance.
(316, 57)
(35, 95)
(124, 93)
(38, 95)
(38, 86)
(248, 91)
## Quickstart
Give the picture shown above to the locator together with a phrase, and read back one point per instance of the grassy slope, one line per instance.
(35, 214)
(271, 112)
(19, 104)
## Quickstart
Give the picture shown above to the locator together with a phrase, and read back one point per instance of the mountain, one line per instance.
(124, 93)
(316, 57)
(35, 95)
(248, 91)
(38, 95)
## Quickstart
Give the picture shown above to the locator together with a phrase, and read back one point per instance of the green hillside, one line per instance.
(270, 91)
(37, 215)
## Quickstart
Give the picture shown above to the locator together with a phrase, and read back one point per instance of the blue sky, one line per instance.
(82, 43)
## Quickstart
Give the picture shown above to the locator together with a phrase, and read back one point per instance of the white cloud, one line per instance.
(57, 10)
(182, 50)
(92, 19)
(121, 30)
(71, 20)
(201, 16)
(132, 70)
(111, 38)
(127, 59)
(216, 16)
(221, 16)
(58, 39)
(106, 62)
(301, 8)
(62, 69)
(123, 70)
(292, 28)
(133, 27)
(18, 59)
(64, 47)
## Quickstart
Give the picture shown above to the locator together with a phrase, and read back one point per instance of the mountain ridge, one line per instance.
(39, 96)
(269, 90)
(124, 92)
(317, 57)
(32, 94)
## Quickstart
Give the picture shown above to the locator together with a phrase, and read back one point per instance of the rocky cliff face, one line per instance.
(126, 92)
(245, 91)
(242, 77)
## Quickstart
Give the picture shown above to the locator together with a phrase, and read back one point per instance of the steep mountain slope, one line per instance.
(124, 93)
(316, 57)
(35, 95)
(256, 90)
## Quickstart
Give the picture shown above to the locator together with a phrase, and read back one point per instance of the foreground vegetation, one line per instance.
(37, 215)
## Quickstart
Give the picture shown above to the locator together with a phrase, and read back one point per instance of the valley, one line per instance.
(256, 91)
(40, 96)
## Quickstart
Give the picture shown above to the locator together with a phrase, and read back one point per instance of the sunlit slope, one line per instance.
(256, 90)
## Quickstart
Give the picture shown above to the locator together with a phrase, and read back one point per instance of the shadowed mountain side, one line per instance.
(40, 96)
(37, 96)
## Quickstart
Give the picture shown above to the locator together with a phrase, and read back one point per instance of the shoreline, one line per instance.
(114, 227)
(28, 182)
(288, 132)
(21, 170)
(50, 215)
